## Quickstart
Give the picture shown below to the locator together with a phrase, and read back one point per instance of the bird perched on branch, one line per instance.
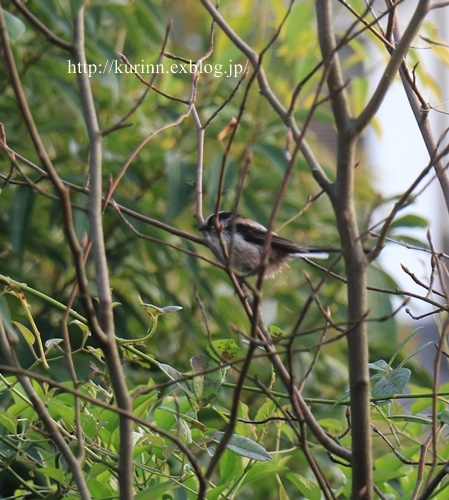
(245, 240)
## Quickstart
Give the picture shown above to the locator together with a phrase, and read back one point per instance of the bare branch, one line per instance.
(421, 112)
(150, 85)
(267, 92)
(332, 65)
(51, 173)
(393, 66)
(111, 202)
(108, 341)
(41, 26)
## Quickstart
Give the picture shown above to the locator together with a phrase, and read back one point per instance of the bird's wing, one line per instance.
(256, 235)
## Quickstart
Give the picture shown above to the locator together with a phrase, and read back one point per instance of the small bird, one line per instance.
(245, 240)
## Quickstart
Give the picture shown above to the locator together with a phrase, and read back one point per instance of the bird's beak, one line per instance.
(203, 227)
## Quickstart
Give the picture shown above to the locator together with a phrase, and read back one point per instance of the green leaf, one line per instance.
(207, 381)
(192, 421)
(185, 432)
(379, 365)
(231, 466)
(142, 441)
(178, 377)
(18, 408)
(21, 211)
(156, 311)
(143, 403)
(53, 343)
(97, 469)
(276, 333)
(83, 327)
(410, 418)
(15, 26)
(98, 489)
(156, 491)
(382, 476)
(60, 410)
(444, 416)
(331, 425)
(53, 472)
(243, 446)
(226, 349)
(26, 332)
(261, 470)
(410, 220)
(308, 488)
(393, 383)
(8, 421)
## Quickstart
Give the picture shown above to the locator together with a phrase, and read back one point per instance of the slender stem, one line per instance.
(95, 180)
(422, 119)
(41, 26)
(390, 72)
(52, 174)
(334, 77)
(200, 166)
(150, 86)
(342, 198)
(270, 96)
(106, 319)
(50, 425)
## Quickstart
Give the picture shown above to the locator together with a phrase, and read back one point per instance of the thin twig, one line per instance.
(393, 66)
(42, 27)
(121, 123)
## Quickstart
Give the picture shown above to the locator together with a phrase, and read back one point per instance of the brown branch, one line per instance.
(369, 26)
(342, 198)
(41, 26)
(147, 139)
(334, 76)
(433, 484)
(420, 283)
(106, 319)
(269, 95)
(393, 66)
(50, 172)
(403, 202)
(111, 202)
(122, 121)
(162, 242)
(421, 110)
